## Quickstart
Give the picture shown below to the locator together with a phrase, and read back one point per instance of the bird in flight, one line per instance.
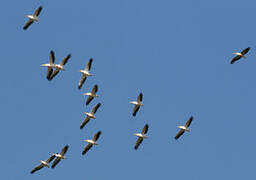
(90, 115)
(60, 156)
(184, 128)
(85, 72)
(43, 164)
(240, 55)
(91, 142)
(33, 18)
(137, 104)
(91, 95)
(50, 73)
(141, 136)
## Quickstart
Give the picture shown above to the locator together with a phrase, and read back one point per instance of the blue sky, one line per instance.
(177, 53)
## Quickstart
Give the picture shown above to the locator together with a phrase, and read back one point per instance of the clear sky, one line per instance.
(176, 52)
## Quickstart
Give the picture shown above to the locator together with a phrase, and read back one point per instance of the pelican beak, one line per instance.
(44, 65)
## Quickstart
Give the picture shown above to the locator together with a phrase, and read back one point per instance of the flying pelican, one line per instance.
(239, 55)
(91, 94)
(85, 72)
(90, 115)
(141, 136)
(60, 156)
(91, 142)
(43, 164)
(184, 128)
(50, 73)
(33, 17)
(137, 104)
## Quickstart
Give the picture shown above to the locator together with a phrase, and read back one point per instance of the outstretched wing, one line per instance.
(82, 80)
(140, 97)
(135, 110)
(96, 136)
(37, 12)
(52, 57)
(28, 23)
(56, 161)
(145, 129)
(89, 99)
(138, 142)
(50, 159)
(85, 121)
(88, 65)
(49, 73)
(55, 72)
(235, 59)
(95, 89)
(245, 51)
(189, 121)
(95, 108)
(87, 148)
(64, 150)
(179, 134)
(37, 168)
(65, 60)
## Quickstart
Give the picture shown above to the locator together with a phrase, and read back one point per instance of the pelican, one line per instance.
(141, 136)
(239, 55)
(91, 94)
(137, 104)
(43, 164)
(32, 18)
(60, 156)
(50, 73)
(184, 128)
(85, 72)
(90, 115)
(91, 142)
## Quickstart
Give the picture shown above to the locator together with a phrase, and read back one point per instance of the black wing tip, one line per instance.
(232, 62)
(135, 147)
(133, 114)
(81, 127)
(176, 137)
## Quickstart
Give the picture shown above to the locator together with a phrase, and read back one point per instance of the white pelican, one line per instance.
(141, 136)
(90, 115)
(33, 17)
(43, 164)
(60, 156)
(184, 128)
(91, 94)
(85, 72)
(137, 104)
(239, 55)
(91, 142)
(58, 67)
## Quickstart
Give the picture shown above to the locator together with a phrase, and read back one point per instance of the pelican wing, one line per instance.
(87, 147)
(37, 12)
(89, 99)
(50, 159)
(135, 110)
(245, 51)
(65, 60)
(49, 73)
(179, 134)
(95, 108)
(94, 89)
(82, 80)
(64, 150)
(189, 121)
(86, 120)
(145, 129)
(88, 65)
(52, 57)
(138, 142)
(140, 97)
(37, 168)
(96, 136)
(55, 72)
(28, 23)
(235, 59)
(56, 161)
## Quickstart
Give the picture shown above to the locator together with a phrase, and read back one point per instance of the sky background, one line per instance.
(177, 53)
